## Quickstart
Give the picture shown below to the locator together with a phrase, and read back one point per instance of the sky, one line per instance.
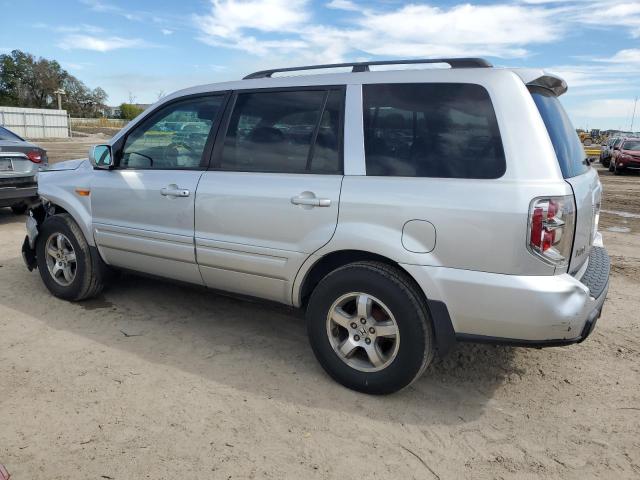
(141, 50)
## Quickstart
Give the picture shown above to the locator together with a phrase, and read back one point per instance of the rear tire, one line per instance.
(67, 266)
(397, 328)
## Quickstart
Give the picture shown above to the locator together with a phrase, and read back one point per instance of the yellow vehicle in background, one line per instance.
(591, 137)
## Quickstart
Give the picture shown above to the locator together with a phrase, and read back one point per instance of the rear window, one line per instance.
(8, 135)
(564, 138)
(446, 130)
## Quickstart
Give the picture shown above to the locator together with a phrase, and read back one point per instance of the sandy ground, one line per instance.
(160, 381)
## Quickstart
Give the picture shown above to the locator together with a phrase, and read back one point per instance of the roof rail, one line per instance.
(364, 66)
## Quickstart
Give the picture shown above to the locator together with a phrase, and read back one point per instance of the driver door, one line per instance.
(143, 209)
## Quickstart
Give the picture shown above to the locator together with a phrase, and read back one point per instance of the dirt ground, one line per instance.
(161, 381)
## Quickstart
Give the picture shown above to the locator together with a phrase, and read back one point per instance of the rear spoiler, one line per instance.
(555, 84)
(534, 77)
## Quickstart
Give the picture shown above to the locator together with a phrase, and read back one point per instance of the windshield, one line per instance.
(566, 143)
(8, 135)
(631, 145)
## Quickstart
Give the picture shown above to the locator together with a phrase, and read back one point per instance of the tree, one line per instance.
(129, 111)
(27, 81)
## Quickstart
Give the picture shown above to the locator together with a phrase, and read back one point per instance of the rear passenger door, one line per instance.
(271, 198)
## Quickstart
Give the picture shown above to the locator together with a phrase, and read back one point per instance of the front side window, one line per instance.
(431, 130)
(285, 131)
(174, 137)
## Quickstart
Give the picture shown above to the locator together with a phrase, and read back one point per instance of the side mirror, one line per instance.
(100, 157)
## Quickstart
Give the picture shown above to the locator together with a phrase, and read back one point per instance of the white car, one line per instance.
(404, 210)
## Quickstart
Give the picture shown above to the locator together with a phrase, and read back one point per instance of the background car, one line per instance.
(20, 162)
(628, 156)
(605, 153)
(614, 150)
(10, 142)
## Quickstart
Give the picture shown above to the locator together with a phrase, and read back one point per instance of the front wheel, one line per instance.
(67, 266)
(616, 170)
(369, 328)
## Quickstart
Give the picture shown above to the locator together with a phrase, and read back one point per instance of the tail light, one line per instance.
(35, 156)
(551, 227)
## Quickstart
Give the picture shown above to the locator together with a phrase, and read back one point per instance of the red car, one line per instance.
(627, 157)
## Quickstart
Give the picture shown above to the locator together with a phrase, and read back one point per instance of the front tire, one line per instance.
(67, 266)
(369, 328)
(616, 170)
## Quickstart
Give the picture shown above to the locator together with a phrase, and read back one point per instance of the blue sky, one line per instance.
(141, 49)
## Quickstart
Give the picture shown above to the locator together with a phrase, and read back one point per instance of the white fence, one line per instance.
(35, 122)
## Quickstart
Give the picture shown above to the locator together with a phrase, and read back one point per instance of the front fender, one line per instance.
(60, 188)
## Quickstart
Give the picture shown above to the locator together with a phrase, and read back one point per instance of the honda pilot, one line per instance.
(403, 210)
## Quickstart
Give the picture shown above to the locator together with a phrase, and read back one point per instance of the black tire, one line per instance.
(19, 209)
(395, 289)
(91, 271)
(616, 170)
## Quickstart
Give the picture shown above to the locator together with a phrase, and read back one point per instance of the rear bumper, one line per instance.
(531, 311)
(11, 195)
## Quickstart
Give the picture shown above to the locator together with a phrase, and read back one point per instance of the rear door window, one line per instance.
(431, 130)
(293, 131)
(565, 140)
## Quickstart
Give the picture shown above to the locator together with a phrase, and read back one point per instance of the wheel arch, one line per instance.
(316, 268)
(77, 210)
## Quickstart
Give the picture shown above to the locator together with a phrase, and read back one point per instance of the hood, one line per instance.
(635, 153)
(68, 165)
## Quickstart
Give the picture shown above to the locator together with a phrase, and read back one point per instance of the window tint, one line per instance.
(174, 137)
(287, 131)
(9, 135)
(431, 130)
(565, 140)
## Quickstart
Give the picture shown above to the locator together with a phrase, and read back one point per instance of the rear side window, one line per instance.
(285, 132)
(431, 130)
(564, 138)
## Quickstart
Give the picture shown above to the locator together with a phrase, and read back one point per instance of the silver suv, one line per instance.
(404, 210)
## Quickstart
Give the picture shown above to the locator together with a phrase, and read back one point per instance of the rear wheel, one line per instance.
(369, 328)
(67, 266)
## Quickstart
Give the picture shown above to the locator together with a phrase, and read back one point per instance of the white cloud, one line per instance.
(412, 30)
(628, 56)
(612, 13)
(166, 31)
(343, 5)
(99, 44)
(229, 17)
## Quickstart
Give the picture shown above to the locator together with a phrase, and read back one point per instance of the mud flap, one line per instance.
(29, 255)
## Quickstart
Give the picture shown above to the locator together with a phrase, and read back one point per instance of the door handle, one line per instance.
(308, 199)
(174, 191)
